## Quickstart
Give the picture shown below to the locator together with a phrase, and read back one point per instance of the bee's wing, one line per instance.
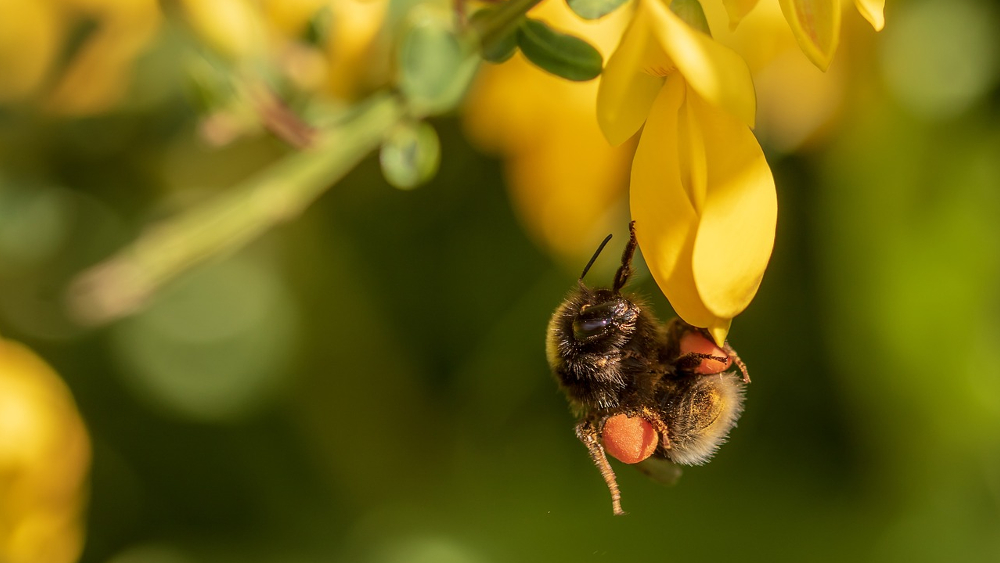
(660, 470)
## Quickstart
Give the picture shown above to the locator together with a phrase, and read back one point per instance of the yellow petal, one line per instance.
(692, 161)
(716, 72)
(872, 11)
(736, 232)
(720, 330)
(737, 9)
(626, 92)
(816, 27)
(665, 216)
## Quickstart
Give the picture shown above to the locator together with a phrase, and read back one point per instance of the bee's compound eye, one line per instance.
(589, 327)
(629, 439)
(694, 342)
(593, 320)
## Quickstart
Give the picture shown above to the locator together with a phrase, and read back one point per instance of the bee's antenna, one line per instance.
(621, 276)
(594, 257)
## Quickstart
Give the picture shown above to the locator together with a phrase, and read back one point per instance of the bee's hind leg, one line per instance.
(588, 433)
(656, 421)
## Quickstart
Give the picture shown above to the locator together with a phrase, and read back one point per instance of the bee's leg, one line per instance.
(589, 435)
(692, 360)
(657, 423)
(739, 363)
(677, 329)
(623, 273)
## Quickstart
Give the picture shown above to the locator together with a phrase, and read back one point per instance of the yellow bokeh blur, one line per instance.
(44, 458)
(78, 57)
(565, 181)
(26, 22)
(97, 72)
(273, 31)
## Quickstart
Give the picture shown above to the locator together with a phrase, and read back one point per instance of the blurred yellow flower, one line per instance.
(566, 183)
(796, 102)
(702, 194)
(95, 75)
(44, 456)
(98, 73)
(816, 25)
(351, 43)
(326, 50)
(234, 28)
(29, 40)
(274, 31)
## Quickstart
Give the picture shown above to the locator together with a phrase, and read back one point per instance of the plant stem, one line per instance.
(122, 283)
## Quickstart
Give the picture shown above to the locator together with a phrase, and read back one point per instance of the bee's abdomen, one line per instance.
(701, 410)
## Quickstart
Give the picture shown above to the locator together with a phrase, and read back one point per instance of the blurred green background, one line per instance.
(368, 382)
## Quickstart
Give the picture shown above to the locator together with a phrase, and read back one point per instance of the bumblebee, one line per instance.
(650, 394)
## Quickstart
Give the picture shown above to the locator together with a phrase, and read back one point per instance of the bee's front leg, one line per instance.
(739, 363)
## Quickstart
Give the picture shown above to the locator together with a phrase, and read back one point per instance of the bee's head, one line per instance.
(590, 328)
(603, 314)
(594, 322)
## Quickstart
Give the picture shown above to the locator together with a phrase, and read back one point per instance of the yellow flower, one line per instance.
(232, 27)
(99, 72)
(29, 43)
(702, 194)
(44, 455)
(797, 103)
(92, 76)
(816, 25)
(251, 31)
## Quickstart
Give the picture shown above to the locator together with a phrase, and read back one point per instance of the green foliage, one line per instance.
(558, 53)
(593, 9)
(504, 45)
(435, 66)
(207, 88)
(410, 154)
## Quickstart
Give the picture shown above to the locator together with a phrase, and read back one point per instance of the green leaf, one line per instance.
(410, 154)
(435, 67)
(560, 54)
(504, 45)
(593, 9)
(690, 11)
